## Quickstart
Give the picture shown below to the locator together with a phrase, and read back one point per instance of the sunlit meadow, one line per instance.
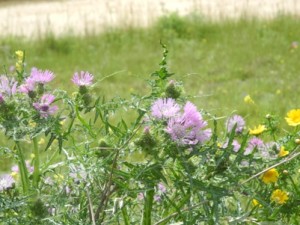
(185, 122)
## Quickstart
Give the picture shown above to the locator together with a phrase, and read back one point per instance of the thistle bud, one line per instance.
(172, 91)
(147, 142)
(103, 150)
(87, 99)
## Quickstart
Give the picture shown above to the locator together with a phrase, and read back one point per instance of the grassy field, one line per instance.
(219, 62)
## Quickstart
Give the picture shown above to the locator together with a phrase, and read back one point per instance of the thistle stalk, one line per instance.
(22, 168)
(36, 171)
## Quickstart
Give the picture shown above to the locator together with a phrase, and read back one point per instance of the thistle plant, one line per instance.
(74, 162)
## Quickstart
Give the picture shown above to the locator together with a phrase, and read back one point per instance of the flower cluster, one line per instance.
(185, 128)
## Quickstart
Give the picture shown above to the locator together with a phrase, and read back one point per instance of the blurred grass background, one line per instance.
(219, 62)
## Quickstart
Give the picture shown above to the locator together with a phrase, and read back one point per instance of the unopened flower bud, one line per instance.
(147, 142)
(268, 116)
(285, 172)
(172, 91)
(297, 141)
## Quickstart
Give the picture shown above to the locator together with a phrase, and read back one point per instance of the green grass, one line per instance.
(219, 62)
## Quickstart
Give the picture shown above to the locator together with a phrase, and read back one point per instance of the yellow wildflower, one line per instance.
(42, 141)
(32, 124)
(283, 152)
(293, 117)
(59, 178)
(20, 55)
(14, 175)
(62, 122)
(271, 176)
(19, 66)
(248, 99)
(280, 197)
(256, 203)
(257, 130)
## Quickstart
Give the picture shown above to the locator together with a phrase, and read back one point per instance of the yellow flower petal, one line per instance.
(20, 55)
(280, 197)
(293, 117)
(248, 99)
(271, 176)
(283, 152)
(257, 130)
(41, 141)
(256, 203)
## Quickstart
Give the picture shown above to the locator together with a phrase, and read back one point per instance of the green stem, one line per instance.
(148, 206)
(22, 168)
(294, 185)
(46, 165)
(36, 171)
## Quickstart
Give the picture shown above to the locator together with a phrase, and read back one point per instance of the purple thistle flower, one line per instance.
(164, 108)
(235, 120)
(157, 198)
(140, 196)
(28, 86)
(161, 187)
(187, 129)
(44, 105)
(6, 182)
(84, 79)
(29, 167)
(8, 86)
(235, 144)
(15, 168)
(252, 144)
(41, 77)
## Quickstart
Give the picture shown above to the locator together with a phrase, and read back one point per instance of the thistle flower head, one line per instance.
(28, 86)
(6, 182)
(252, 144)
(161, 187)
(164, 108)
(187, 129)
(237, 121)
(8, 86)
(41, 77)
(83, 79)
(235, 145)
(44, 105)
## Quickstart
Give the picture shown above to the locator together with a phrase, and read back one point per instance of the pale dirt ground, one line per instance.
(78, 17)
